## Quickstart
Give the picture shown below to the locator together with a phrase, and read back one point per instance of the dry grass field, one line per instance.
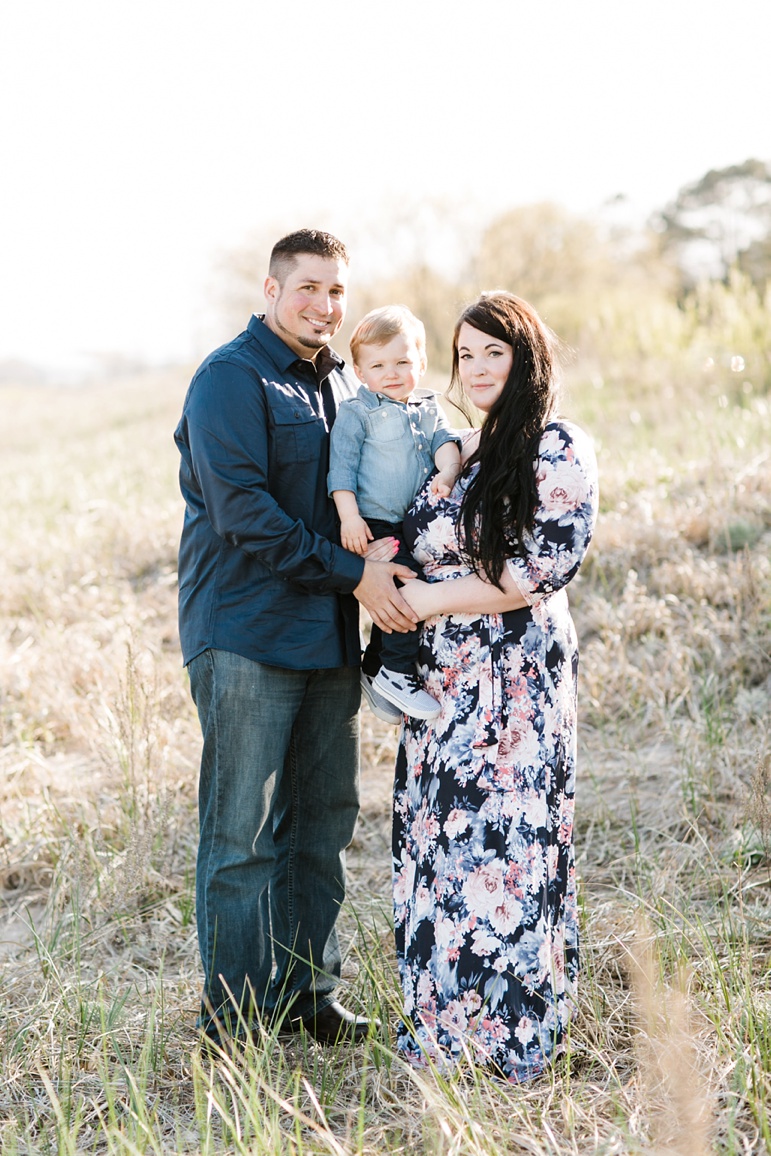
(671, 1046)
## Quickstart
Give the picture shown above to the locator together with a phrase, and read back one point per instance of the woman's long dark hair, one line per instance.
(499, 505)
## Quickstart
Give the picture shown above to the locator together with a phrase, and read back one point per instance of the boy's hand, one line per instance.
(355, 534)
(442, 483)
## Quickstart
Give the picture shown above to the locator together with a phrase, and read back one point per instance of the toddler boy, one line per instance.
(384, 444)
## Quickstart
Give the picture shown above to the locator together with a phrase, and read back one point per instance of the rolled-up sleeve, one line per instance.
(345, 443)
(443, 432)
(568, 496)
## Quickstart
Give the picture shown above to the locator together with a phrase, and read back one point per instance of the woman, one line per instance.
(484, 873)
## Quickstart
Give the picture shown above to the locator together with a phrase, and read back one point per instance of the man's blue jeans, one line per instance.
(278, 800)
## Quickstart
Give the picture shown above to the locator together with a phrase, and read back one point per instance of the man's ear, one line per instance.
(271, 289)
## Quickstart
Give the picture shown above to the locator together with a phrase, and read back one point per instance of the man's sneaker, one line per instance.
(405, 691)
(379, 706)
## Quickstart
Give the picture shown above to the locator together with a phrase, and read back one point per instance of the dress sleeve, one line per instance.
(567, 511)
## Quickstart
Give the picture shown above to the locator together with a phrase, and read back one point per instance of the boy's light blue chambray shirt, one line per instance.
(383, 450)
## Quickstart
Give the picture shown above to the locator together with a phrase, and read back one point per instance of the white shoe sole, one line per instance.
(405, 704)
(381, 707)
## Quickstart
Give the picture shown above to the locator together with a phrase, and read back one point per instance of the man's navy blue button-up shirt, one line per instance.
(261, 570)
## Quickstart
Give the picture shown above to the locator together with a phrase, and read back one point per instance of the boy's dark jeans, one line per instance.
(395, 651)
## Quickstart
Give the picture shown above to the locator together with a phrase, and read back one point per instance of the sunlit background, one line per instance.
(610, 160)
(144, 143)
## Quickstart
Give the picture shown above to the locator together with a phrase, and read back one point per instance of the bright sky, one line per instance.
(141, 138)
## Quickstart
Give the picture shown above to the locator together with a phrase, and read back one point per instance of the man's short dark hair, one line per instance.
(314, 241)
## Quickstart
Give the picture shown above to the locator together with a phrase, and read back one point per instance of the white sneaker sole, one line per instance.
(405, 704)
(381, 707)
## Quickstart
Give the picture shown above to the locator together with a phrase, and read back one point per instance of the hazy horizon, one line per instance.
(144, 141)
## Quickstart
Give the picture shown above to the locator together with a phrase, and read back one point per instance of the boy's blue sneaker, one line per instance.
(405, 691)
(380, 706)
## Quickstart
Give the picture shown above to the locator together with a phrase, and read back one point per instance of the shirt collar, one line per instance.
(373, 400)
(285, 358)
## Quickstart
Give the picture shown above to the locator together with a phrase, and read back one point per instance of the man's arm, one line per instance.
(226, 431)
(225, 447)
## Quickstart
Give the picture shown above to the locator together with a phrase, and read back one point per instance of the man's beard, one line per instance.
(309, 342)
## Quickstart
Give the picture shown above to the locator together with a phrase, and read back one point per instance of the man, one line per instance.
(269, 631)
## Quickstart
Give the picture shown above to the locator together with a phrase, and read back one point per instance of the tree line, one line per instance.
(693, 283)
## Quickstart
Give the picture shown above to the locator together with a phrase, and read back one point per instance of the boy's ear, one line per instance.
(423, 364)
(358, 373)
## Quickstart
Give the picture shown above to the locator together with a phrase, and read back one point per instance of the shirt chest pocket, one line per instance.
(298, 436)
(386, 425)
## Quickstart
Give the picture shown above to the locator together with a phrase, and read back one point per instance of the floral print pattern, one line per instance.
(484, 873)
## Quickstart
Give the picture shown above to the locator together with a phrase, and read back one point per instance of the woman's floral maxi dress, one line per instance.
(484, 871)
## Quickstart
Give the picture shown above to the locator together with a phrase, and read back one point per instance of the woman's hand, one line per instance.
(421, 597)
(381, 550)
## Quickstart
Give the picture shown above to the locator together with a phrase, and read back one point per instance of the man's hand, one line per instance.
(380, 597)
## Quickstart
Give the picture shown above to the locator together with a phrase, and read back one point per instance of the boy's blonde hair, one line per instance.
(379, 325)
